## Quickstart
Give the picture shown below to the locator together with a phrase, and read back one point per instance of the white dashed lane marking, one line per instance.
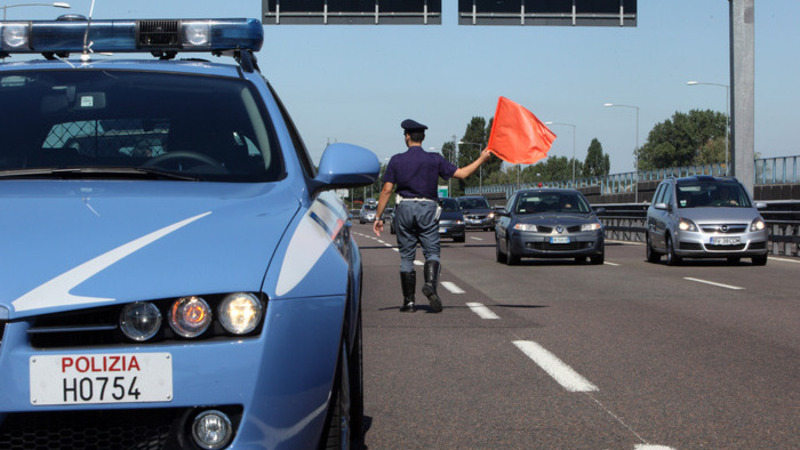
(450, 286)
(482, 311)
(726, 286)
(558, 370)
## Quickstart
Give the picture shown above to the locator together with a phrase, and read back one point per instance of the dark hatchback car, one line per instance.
(477, 212)
(451, 220)
(548, 223)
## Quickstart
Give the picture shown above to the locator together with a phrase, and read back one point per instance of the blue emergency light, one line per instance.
(129, 36)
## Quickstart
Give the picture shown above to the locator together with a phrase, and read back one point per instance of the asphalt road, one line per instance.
(552, 354)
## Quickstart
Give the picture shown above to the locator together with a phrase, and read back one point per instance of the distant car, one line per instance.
(548, 223)
(451, 220)
(477, 212)
(367, 213)
(705, 217)
(176, 271)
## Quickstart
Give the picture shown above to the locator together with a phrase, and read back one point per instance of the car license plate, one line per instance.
(442, 230)
(100, 378)
(559, 240)
(727, 240)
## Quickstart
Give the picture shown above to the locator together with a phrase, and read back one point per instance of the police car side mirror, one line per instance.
(346, 166)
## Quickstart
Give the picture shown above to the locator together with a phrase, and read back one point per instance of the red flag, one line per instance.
(518, 136)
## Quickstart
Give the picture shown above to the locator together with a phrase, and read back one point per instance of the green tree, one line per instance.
(597, 164)
(684, 140)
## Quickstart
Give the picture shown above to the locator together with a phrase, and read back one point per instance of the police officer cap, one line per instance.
(412, 125)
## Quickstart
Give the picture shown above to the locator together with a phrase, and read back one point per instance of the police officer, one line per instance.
(415, 175)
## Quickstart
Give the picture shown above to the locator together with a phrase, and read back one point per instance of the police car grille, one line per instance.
(76, 430)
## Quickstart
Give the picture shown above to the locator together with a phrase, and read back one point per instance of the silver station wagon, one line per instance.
(705, 217)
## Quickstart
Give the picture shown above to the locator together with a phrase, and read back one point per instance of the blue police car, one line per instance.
(176, 272)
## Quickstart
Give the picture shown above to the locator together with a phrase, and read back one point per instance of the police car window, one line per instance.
(210, 128)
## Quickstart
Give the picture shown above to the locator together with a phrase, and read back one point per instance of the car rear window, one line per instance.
(209, 127)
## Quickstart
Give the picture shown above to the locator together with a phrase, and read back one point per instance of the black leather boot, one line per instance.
(408, 280)
(432, 269)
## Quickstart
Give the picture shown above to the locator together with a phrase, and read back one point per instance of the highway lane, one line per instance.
(620, 356)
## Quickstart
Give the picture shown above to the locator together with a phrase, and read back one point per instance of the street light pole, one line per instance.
(636, 151)
(574, 128)
(727, 113)
(54, 5)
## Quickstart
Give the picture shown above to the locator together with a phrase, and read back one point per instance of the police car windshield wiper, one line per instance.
(97, 172)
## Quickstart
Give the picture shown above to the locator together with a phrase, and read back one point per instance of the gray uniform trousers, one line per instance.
(417, 221)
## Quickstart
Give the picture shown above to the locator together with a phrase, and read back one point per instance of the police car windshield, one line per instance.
(206, 128)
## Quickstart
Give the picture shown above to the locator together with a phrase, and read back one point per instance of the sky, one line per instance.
(356, 83)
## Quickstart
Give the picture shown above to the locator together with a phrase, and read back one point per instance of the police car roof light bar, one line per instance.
(131, 36)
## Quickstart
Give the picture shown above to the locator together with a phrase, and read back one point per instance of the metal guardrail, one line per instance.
(777, 170)
(626, 222)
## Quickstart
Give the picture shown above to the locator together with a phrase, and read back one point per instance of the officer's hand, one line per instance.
(377, 227)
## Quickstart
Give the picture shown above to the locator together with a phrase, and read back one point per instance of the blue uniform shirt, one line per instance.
(415, 173)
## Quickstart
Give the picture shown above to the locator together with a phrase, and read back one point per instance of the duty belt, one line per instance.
(413, 199)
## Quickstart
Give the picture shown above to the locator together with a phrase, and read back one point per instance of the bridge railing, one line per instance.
(777, 170)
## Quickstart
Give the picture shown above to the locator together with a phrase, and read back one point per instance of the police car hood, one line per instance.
(86, 243)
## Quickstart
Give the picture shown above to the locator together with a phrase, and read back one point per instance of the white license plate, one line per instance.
(442, 230)
(100, 378)
(727, 240)
(559, 240)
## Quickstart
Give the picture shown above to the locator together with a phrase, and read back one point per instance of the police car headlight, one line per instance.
(140, 321)
(757, 225)
(240, 313)
(525, 227)
(190, 316)
(14, 36)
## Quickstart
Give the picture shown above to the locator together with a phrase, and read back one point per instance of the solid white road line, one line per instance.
(482, 311)
(793, 261)
(450, 286)
(726, 286)
(562, 373)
